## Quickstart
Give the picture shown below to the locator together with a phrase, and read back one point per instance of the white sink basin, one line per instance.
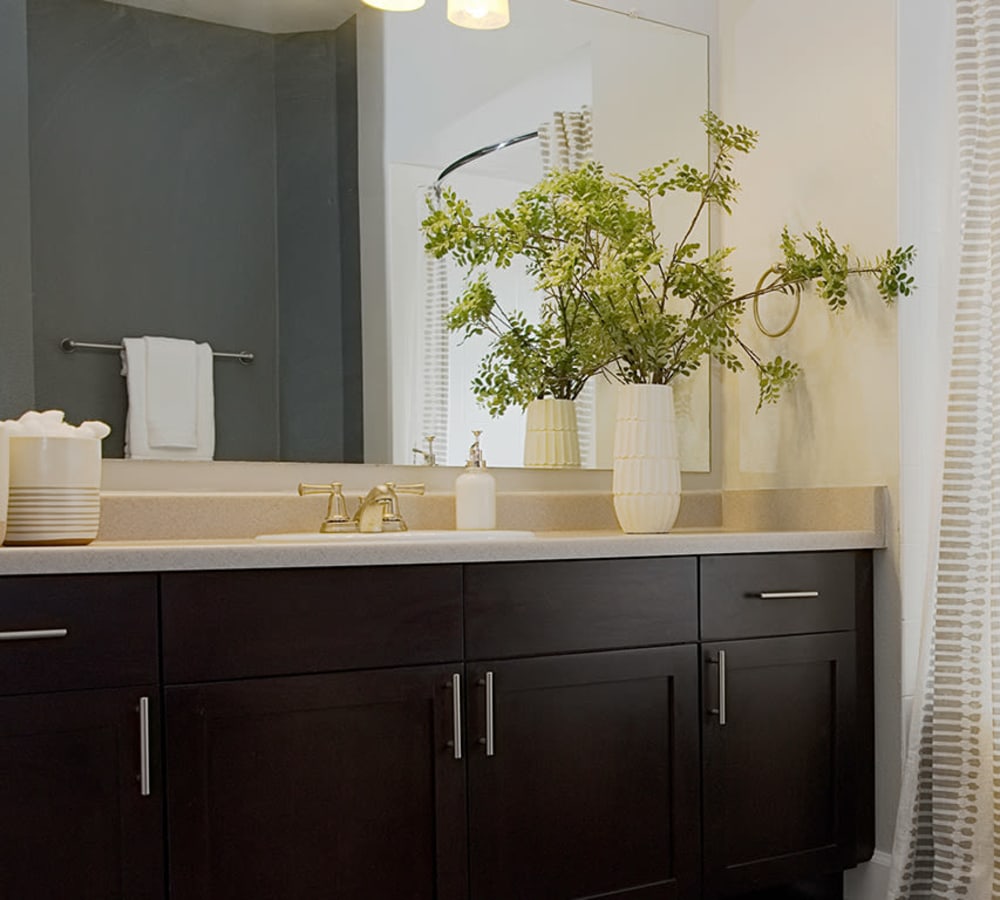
(401, 537)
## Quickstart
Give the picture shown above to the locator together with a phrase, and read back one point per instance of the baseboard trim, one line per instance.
(870, 880)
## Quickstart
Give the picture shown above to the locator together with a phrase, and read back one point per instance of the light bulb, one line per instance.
(395, 5)
(480, 14)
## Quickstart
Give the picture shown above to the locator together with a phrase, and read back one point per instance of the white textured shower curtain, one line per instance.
(948, 829)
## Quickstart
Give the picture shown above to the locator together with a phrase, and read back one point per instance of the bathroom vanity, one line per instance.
(643, 725)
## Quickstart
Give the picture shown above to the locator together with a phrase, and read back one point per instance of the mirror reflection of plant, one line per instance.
(615, 298)
(526, 360)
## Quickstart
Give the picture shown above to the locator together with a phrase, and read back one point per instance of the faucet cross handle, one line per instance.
(337, 519)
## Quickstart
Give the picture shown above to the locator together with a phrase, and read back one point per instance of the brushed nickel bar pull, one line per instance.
(722, 687)
(720, 710)
(456, 714)
(489, 715)
(144, 746)
(786, 595)
(38, 634)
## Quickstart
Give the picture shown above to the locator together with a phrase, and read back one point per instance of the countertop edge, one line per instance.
(116, 557)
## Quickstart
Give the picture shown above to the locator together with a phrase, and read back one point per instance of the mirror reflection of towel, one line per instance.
(171, 403)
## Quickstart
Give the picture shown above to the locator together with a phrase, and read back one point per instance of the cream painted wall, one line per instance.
(818, 80)
(821, 91)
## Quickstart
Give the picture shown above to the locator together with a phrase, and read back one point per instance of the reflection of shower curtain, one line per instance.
(434, 411)
(567, 142)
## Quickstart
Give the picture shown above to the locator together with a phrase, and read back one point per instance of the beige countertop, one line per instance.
(178, 555)
(170, 531)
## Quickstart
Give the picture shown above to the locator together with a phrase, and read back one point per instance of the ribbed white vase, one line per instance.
(551, 437)
(647, 468)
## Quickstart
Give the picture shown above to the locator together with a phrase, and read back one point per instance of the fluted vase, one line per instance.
(646, 481)
(551, 437)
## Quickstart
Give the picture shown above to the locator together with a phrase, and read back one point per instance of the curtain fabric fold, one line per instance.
(948, 828)
(434, 365)
(566, 139)
(566, 143)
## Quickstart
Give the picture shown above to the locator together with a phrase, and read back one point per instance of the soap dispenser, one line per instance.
(475, 493)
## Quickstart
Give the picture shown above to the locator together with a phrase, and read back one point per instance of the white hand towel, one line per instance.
(171, 403)
(171, 394)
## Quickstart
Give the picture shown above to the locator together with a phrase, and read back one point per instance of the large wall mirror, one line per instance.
(253, 175)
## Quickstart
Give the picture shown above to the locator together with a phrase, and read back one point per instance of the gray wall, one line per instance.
(318, 261)
(16, 363)
(158, 206)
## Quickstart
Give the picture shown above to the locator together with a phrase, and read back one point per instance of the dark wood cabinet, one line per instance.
(80, 777)
(652, 729)
(787, 727)
(583, 729)
(779, 758)
(317, 786)
(583, 776)
(75, 821)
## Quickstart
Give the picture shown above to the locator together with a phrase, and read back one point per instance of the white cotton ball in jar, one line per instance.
(30, 424)
(94, 429)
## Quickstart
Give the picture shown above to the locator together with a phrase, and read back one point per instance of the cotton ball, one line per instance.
(31, 424)
(52, 418)
(95, 429)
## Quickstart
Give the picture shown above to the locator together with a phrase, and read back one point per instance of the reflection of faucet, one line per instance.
(429, 458)
(379, 510)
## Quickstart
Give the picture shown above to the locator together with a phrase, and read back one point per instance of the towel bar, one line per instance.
(68, 346)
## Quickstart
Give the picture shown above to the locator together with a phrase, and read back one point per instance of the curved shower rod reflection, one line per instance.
(478, 154)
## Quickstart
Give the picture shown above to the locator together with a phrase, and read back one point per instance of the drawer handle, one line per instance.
(456, 714)
(786, 595)
(720, 710)
(144, 746)
(38, 634)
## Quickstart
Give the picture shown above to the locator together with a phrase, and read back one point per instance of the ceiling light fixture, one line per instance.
(479, 14)
(395, 5)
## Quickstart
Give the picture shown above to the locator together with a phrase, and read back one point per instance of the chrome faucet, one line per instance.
(379, 510)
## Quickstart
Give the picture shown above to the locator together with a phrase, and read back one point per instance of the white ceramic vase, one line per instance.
(647, 469)
(551, 438)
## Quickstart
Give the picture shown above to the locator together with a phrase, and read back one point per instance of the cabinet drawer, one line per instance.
(781, 593)
(525, 609)
(62, 633)
(219, 625)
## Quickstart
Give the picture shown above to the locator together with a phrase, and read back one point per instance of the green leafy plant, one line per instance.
(555, 355)
(615, 298)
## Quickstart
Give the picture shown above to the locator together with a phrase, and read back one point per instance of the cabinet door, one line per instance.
(315, 787)
(583, 776)
(779, 754)
(76, 821)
